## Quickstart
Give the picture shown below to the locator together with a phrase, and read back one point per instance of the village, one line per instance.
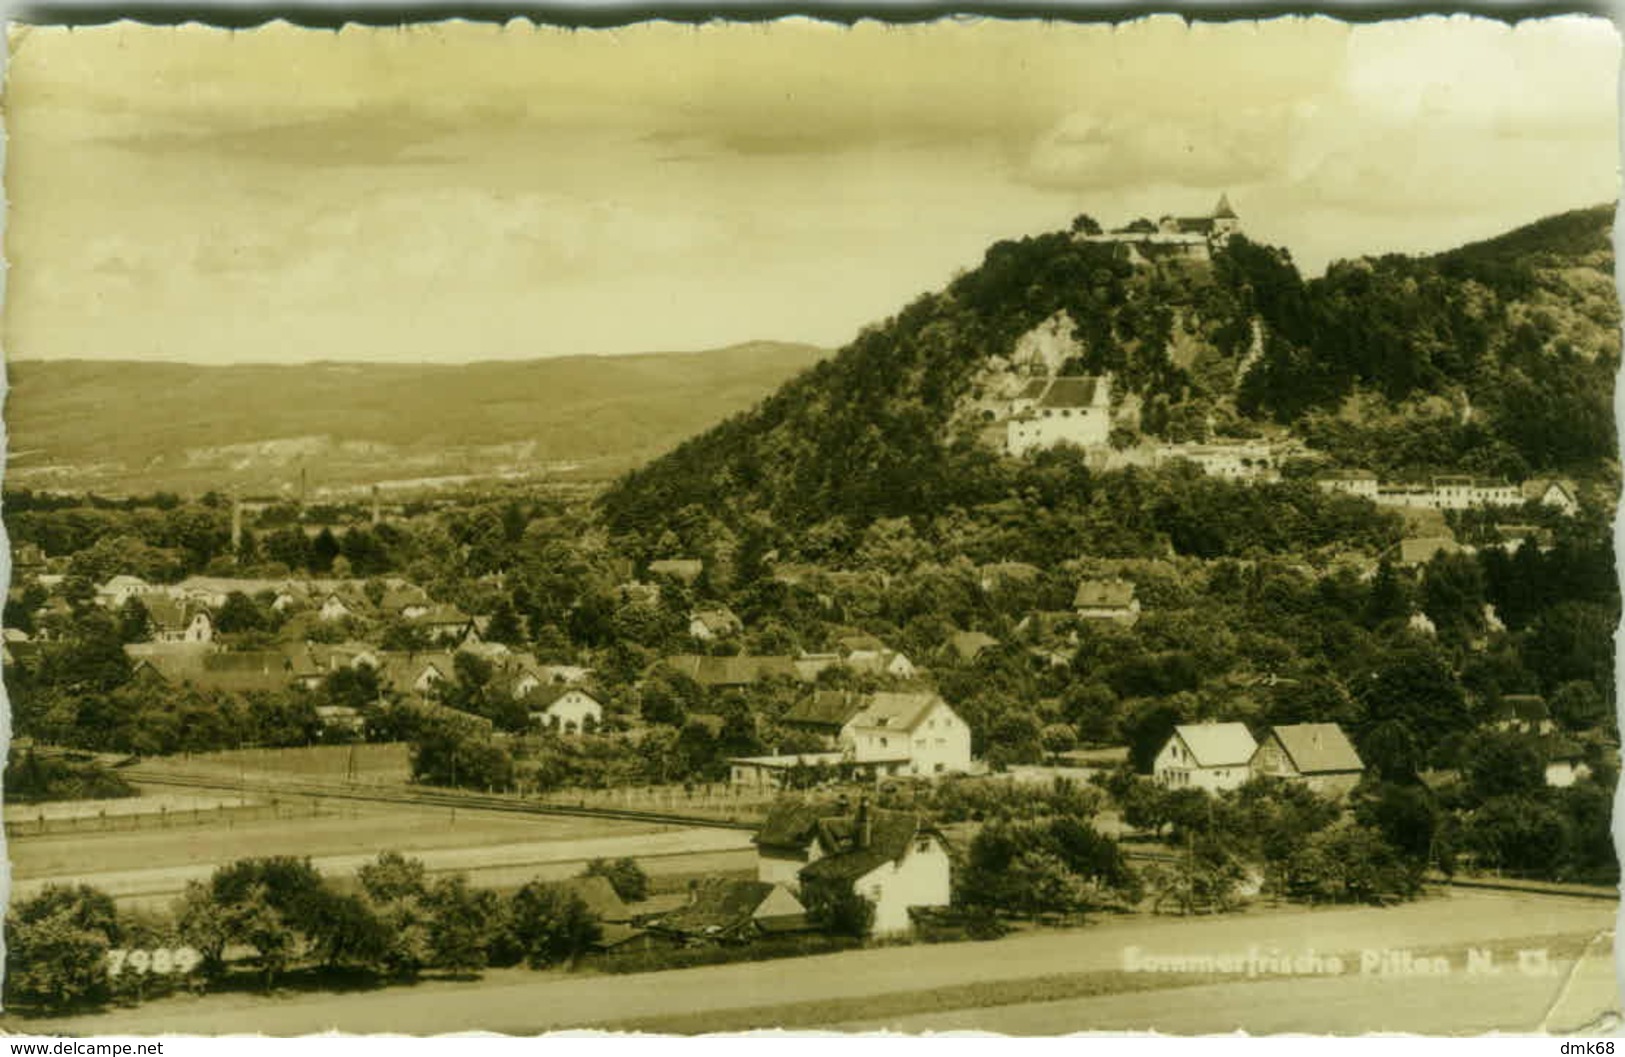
(1136, 659)
(1041, 748)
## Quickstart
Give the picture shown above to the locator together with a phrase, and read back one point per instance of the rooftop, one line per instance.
(1218, 744)
(1318, 748)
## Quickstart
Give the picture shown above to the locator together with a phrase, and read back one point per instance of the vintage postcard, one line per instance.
(990, 525)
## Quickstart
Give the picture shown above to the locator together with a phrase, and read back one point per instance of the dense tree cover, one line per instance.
(56, 947)
(872, 433)
(33, 778)
(1060, 866)
(277, 918)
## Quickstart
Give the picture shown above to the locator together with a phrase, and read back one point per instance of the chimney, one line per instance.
(236, 524)
(863, 826)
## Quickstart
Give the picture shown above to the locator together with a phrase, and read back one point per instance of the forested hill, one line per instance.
(1495, 358)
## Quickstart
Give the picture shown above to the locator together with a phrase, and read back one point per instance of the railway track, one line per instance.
(421, 797)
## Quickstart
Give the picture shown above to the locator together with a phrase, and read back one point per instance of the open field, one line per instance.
(986, 981)
(344, 827)
(368, 762)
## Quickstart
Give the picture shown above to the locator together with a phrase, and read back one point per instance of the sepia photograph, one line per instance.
(1000, 525)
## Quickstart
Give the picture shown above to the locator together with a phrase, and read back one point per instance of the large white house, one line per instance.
(1211, 756)
(893, 859)
(878, 734)
(1053, 411)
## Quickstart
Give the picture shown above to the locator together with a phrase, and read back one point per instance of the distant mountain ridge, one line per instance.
(130, 426)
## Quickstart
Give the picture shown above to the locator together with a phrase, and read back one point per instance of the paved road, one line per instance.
(517, 1002)
(493, 864)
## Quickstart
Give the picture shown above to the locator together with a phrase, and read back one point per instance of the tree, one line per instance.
(1058, 738)
(239, 613)
(628, 879)
(1578, 706)
(272, 905)
(462, 922)
(1148, 729)
(506, 625)
(56, 947)
(550, 925)
(134, 621)
(839, 910)
(1502, 764)
(1521, 833)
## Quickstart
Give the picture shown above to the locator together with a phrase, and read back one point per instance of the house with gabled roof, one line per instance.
(119, 589)
(414, 673)
(1211, 756)
(1112, 600)
(726, 910)
(893, 859)
(708, 625)
(1564, 760)
(566, 709)
(788, 840)
(876, 735)
(204, 668)
(1318, 754)
(911, 733)
(1521, 714)
(176, 621)
(1556, 492)
(445, 624)
(824, 713)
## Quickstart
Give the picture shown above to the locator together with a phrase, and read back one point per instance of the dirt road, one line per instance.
(747, 995)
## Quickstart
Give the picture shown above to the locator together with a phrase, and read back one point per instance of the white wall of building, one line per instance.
(922, 879)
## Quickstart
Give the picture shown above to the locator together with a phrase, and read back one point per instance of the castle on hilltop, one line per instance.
(1189, 237)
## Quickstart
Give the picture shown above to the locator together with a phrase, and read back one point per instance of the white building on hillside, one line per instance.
(1211, 756)
(1054, 411)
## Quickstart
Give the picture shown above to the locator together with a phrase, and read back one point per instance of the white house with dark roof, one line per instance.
(567, 709)
(1064, 410)
(877, 734)
(893, 859)
(1318, 754)
(918, 730)
(1211, 756)
(173, 621)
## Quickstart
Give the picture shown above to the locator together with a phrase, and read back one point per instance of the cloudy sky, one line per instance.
(476, 192)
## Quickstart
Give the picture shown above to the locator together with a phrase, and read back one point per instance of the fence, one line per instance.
(140, 822)
(723, 803)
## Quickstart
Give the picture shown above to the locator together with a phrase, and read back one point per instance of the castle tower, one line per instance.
(1225, 221)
